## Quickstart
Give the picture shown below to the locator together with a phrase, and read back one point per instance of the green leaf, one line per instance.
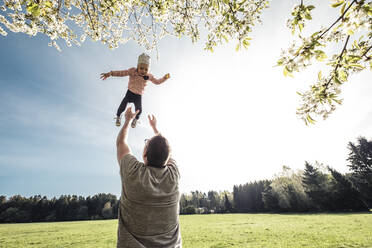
(343, 8)
(336, 80)
(48, 4)
(286, 72)
(237, 47)
(356, 65)
(300, 26)
(320, 55)
(350, 32)
(214, 4)
(33, 9)
(335, 5)
(225, 38)
(226, 1)
(368, 9)
(342, 75)
(279, 62)
(246, 42)
(309, 119)
(355, 43)
(310, 7)
(337, 101)
(320, 75)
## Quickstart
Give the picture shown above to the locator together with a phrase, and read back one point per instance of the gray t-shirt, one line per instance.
(149, 205)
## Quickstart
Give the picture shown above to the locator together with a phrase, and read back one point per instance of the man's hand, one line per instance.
(105, 75)
(153, 122)
(129, 115)
(121, 141)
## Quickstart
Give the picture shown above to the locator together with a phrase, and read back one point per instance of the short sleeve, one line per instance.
(128, 164)
(172, 165)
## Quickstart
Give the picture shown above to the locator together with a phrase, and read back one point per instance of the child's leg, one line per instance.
(122, 106)
(138, 105)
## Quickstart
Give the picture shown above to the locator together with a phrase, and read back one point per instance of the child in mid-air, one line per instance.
(138, 78)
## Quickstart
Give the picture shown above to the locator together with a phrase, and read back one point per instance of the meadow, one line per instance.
(212, 231)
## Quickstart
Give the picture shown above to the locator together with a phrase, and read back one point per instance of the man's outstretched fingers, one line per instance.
(128, 113)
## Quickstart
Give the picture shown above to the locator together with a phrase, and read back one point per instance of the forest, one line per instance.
(316, 188)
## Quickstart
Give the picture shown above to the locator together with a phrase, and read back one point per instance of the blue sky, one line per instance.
(230, 117)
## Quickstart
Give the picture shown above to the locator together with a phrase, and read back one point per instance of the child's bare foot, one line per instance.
(134, 123)
(118, 122)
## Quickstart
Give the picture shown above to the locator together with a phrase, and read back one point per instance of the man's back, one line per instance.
(149, 205)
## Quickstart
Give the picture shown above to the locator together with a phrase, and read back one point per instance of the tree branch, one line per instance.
(90, 18)
(94, 7)
(339, 60)
(320, 36)
(365, 53)
(340, 18)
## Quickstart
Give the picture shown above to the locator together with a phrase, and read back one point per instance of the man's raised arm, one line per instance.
(153, 122)
(122, 139)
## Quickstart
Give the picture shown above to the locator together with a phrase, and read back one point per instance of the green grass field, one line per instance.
(198, 231)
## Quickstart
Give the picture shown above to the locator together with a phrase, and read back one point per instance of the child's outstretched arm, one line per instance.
(160, 80)
(122, 73)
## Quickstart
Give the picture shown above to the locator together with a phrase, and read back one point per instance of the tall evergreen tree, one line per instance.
(317, 187)
(346, 196)
(227, 204)
(360, 163)
(270, 199)
(248, 197)
(213, 200)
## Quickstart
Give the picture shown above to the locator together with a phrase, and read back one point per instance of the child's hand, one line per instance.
(105, 75)
(167, 76)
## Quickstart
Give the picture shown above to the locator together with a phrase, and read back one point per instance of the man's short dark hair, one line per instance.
(158, 151)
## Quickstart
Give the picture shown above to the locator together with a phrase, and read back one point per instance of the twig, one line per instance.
(94, 8)
(320, 36)
(340, 18)
(339, 60)
(365, 53)
(90, 18)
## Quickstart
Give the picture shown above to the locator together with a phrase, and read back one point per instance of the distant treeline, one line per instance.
(316, 188)
(65, 208)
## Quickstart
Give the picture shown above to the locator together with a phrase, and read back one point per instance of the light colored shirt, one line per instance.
(149, 205)
(137, 83)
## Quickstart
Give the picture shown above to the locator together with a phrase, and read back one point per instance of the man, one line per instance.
(149, 202)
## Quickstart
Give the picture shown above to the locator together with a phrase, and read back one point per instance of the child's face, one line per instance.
(142, 69)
